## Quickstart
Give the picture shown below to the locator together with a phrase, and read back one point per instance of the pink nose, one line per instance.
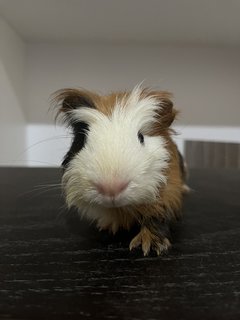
(111, 189)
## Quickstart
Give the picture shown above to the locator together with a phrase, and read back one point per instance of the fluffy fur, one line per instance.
(113, 153)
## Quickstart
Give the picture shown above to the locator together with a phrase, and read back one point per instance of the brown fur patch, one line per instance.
(107, 103)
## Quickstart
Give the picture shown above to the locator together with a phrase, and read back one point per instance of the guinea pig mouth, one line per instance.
(110, 202)
(111, 195)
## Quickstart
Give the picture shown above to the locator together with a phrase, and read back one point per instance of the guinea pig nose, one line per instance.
(111, 189)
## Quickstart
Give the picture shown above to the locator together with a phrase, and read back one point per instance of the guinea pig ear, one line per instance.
(166, 111)
(67, 100)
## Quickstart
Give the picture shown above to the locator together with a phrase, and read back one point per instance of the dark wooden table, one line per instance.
(54, 266)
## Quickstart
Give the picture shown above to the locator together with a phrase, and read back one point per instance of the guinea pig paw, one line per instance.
(149, 241)
(161, 246)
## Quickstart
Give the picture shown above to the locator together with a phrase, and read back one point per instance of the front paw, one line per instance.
(149, 241)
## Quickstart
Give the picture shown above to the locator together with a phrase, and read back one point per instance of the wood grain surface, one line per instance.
(55, 266)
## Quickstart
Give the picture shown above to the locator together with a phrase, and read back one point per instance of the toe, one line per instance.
(146, 246)
(136, 241)
(162, 246)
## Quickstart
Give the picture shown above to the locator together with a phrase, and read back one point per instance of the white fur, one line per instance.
(113, 152)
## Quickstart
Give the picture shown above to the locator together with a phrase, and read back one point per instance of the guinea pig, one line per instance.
(123, 167)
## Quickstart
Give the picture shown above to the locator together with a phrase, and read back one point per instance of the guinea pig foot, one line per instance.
(149, 241)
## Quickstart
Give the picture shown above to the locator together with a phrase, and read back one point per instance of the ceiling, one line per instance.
(204, 22)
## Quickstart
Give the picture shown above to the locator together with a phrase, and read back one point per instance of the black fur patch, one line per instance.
(74, 99)
(80, 130)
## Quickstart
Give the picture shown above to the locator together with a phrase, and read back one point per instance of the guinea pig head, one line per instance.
(119, 154)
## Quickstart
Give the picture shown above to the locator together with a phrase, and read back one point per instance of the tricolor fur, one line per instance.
(123, 167)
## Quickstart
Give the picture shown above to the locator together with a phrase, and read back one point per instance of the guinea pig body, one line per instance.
(123, 167)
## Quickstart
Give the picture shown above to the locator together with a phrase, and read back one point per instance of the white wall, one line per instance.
(12, 82)
(205, 81)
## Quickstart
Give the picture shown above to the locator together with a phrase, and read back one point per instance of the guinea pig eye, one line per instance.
(141, 137)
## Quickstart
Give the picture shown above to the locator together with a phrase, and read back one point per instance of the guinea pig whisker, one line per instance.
(41, 190)
(38, 190)
(42, 141)
(25, 162)
(48, 186)
(48, 139)
(44, 162)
